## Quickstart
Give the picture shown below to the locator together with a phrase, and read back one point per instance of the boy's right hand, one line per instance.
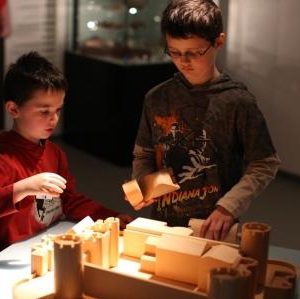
(145, 203)
(45, 183)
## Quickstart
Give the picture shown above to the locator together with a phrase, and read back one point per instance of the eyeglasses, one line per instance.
(190, 55)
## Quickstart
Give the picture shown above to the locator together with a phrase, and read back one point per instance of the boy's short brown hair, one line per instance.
(185, 18)
(30, 73)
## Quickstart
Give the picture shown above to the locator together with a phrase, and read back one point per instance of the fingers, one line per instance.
(54, 183)
(225, 230)
(144, 203)
(205, 227)
(57, 179)
(211, 230)
(215, 229)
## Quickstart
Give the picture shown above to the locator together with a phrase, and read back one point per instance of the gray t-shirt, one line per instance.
(207, 134)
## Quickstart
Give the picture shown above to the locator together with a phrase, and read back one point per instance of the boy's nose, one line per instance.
(54, 118)
(185, 58)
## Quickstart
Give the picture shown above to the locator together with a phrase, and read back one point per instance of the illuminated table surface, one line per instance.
(15, 260)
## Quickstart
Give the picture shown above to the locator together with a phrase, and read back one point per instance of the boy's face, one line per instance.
(194, 57)
(38, 117)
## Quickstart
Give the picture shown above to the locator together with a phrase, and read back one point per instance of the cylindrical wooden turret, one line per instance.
(114, 228)
(255, 244)
(67, 267)
(248, 269)
(225, 283)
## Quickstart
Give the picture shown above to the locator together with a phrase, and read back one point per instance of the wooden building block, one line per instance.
(68, 267)
(248, 267)
(150, 186)
(39, 262)
(82, 225)
(226, 283)
(217, 257)
(102, 283)
(113, 225)
(184, 252)
(148, 263)
(151, 244)
(146, 225)
(255, 244)
(281, 280)
(133, 192)
(134, 243)
(157, 184)
(96, 248)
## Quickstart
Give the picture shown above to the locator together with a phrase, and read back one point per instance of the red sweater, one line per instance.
(19, 159)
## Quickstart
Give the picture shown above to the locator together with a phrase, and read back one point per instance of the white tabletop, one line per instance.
(15, 260)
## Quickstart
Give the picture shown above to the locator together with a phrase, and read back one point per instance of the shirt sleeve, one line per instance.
(255, 179)
(143, 161)
(143, 152)
(76, 205)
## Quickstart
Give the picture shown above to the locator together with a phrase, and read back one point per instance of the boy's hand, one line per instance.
(45, 183)
(145, 203)
(217, 225)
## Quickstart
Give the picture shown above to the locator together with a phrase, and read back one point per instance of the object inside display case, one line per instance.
(127, 31)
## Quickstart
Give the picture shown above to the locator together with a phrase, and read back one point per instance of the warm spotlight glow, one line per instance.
(132, 10)
(92, 25)
(157, 19)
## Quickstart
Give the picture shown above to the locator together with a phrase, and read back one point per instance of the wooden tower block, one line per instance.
(68, 268)
(245, 266)
(217, 257)
(96, 249)
(255, 244)
(39, 261)
(225, 283)
(113, 225)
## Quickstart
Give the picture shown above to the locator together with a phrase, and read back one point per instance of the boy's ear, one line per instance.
(12, 108)
(220, 40)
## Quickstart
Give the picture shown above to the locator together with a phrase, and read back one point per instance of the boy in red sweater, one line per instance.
(36, 186)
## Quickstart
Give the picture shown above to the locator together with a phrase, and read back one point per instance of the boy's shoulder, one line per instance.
(161, 87)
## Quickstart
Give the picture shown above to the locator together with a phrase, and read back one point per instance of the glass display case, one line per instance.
(125, 31)
(116, 56)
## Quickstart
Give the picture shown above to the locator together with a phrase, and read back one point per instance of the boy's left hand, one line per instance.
(217, 225)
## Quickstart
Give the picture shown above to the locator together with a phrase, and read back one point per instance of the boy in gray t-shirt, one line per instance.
(204, 126)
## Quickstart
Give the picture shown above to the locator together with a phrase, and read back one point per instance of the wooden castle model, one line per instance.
(153, 260)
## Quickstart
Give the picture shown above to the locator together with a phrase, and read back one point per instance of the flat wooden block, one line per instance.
(134, 243)
(145, 225)
(150, 245)
(148, 263)
(177, 266)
